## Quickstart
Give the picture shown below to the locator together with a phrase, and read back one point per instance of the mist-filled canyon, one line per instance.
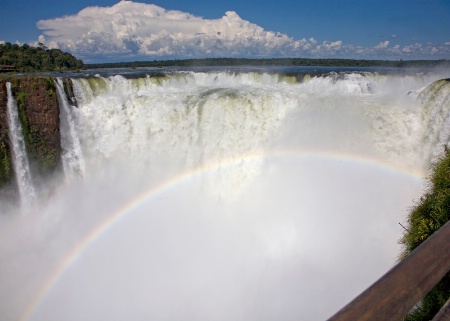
(217, 194)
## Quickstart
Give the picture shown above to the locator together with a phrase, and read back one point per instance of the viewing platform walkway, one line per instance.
(7, 68)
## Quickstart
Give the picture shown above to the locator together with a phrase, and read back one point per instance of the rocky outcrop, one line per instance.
(39, 115)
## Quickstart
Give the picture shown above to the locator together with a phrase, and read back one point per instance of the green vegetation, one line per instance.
(6, 169)
(21, 99)
(432, 212)
(50, 91)
(45, 160)
(273, 62)
(26, 58)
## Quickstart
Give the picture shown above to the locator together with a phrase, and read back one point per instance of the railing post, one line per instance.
(393, 295)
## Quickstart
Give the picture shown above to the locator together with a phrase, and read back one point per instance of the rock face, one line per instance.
(39, 115)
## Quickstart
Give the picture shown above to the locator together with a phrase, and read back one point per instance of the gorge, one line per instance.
(225, 194)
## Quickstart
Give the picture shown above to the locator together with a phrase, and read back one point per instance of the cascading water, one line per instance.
(72, 156)
(435, 99)
(224, 196)
(182, 122)
(19, 153)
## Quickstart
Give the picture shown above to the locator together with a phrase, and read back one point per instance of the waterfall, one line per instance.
(223, 195)
(195, 118)
(72, 156)
(19, 153)
(180, 123)
(435, 99)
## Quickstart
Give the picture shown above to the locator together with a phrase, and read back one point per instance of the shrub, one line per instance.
(432, 212)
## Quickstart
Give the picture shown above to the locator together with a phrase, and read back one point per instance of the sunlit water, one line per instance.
(223, 196)
(18, 152)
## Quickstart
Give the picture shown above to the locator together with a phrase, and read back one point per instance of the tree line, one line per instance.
(26, 58)
(273, 62)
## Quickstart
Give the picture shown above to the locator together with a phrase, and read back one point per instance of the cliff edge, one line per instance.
(39, 116)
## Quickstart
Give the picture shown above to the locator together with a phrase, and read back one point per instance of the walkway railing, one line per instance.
(396, 293)
(7, 68)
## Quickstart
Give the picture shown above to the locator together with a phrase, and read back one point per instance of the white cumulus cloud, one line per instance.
(132, 29)
(146, 29)
(382, 45)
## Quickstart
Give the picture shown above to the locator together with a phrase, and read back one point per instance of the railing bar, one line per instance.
(393, 295)
(444, 313)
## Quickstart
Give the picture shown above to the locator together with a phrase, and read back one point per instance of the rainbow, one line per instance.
(77, 251)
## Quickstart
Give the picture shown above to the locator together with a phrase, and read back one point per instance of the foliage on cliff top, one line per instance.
(202, 62)
(27, 58)
(432, 212)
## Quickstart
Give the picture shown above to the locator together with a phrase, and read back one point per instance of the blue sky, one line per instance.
(136, 30)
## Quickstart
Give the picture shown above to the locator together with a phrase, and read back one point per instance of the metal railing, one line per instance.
(399, 290)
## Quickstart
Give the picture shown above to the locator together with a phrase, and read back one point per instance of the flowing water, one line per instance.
(72, 157)
(19, 153)
(223, 195)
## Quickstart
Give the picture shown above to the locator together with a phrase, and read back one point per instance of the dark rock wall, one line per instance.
(7, 183)
(39, 114)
